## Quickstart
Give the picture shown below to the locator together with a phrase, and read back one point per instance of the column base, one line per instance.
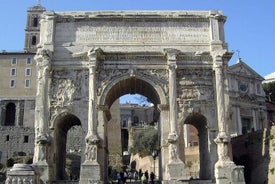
(228, 172)
(90, 173)
(21, 173)
(176, 171)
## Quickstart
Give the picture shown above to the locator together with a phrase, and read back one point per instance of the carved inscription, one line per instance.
(142, 32)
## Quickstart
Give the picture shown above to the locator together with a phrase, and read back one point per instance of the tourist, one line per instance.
(143, 179)
(146, 175)
(152, 177)
(118, 177)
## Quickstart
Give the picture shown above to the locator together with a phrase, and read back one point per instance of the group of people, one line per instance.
(145, 178)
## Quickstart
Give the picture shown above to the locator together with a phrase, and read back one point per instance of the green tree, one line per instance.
(269, 89)
(145, 142)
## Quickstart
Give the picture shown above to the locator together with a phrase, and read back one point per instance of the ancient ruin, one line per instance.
(177, 59)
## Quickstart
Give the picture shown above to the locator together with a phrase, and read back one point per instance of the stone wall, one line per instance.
(252, 151)
(14, 140)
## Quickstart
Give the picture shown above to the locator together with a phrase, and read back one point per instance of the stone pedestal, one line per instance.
(229, 173)
(90, 173)
(176, 171)
(21, 173)
(42, 170)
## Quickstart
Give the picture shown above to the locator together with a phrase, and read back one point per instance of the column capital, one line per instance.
(171, 54)
(163, 107)
(43, 57)
(221, 55)
(94, 54)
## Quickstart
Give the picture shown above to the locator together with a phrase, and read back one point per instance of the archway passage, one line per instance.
(131, 120)
(199, 122)
(63, 124)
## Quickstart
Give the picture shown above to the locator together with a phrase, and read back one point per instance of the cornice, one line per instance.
(194, 16)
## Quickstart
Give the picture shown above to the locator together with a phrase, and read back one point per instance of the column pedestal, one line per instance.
(229, 173)
(225, 169)
(175, 168)
(90, 173)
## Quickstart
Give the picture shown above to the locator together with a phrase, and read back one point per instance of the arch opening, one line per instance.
(132, 85)
(132, 118)
(67, 165)
(197, 125)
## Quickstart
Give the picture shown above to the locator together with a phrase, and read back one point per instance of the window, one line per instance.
(10, 114)
(13, 72)
(7, 138)
(13, 61)
(28, 72)
(35, 22)
(26, 139)
(12, 83)
(27, 83)
(246, 125)
(29, 61)
(34, 40)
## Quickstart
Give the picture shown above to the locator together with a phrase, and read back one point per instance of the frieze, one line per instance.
(199, 93)
(189, 72)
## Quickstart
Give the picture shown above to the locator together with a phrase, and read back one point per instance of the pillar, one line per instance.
(42, 151)
(90, 169)
(254, 111)
(225, 170)
(239, 120)
(175, 166)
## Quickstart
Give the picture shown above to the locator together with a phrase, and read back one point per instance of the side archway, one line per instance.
(63, 123)
(200, 123)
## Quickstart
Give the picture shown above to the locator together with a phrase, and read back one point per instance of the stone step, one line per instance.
(195, 182)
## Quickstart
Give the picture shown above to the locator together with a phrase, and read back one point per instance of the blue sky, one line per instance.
(250, 25)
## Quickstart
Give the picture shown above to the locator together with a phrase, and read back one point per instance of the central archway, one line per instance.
(133, 85)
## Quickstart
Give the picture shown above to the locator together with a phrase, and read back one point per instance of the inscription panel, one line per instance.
(123, 32)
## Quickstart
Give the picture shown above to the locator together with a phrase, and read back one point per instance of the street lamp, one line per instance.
(154, 155)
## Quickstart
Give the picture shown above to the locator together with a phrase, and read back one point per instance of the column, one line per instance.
(254, 118)
(43, 60)
(171, 55)
(239, 120)
(92, 168)
(175, 166)
(225, 170)
(92, 138)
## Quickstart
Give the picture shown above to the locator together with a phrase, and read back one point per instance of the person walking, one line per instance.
(152, 177)
(143, 179)
(146, 175)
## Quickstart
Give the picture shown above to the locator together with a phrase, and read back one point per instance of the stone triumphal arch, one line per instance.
(86, 60)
